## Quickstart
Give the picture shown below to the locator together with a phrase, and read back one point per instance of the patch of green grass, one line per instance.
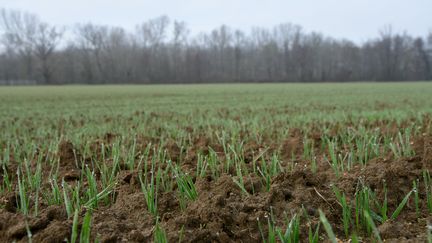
(158, 133)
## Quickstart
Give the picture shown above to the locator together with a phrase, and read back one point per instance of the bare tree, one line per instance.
(158, 53)
(45, 41)
(91, 41)
(179, 42)
(239, 41)
(31, 37)
(423, 67)
(18, 29)
(151, 36)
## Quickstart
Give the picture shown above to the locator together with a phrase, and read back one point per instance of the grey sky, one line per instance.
(357, 20)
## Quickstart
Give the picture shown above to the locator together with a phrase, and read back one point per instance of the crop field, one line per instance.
(216, 163)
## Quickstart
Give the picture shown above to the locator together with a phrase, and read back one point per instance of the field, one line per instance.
(216, 163)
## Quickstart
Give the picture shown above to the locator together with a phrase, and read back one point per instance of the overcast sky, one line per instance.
(357, 20)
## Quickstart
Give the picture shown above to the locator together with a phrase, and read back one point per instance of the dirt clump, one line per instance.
(222, 211)
(68, 161)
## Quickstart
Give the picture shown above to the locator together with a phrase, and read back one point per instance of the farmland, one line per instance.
(216, 163)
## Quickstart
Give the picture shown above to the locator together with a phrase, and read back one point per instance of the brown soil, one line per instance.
(222, 212)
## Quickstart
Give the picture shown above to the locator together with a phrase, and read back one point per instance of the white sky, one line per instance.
(357, 20)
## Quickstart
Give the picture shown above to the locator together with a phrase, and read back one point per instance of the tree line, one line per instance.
(164, 51)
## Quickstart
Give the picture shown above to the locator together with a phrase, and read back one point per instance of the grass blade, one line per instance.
(327, 227)
(401, 206)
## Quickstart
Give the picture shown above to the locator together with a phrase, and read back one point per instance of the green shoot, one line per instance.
(401, 206)
(86, 228)
(159, 234)
(186, 187)
(313, 237)
(346, 210)
(327, 227)
(150, 191)
(74, 235)
(371, 224)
